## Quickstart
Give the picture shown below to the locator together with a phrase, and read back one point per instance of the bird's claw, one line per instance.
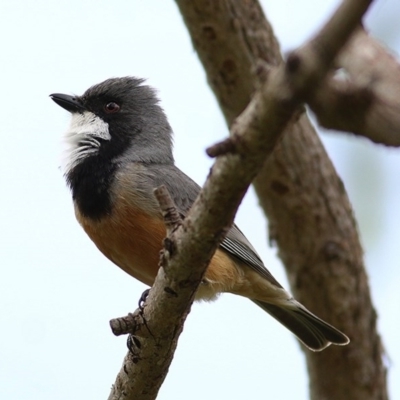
(143, 298)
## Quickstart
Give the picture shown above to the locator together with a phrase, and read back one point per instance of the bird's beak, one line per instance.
(70, 103)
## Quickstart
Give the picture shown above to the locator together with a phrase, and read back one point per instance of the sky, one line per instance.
(58, 292)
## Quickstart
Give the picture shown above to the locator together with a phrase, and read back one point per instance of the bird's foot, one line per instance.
(143, 298)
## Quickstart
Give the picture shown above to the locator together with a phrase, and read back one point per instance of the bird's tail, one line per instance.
(312, 331)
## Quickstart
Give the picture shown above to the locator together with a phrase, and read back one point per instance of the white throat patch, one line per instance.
(81, 139)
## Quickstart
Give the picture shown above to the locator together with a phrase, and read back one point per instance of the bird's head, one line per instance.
(119, 118)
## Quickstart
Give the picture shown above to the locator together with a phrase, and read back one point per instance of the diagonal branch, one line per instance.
(310, 217)
(190, 245)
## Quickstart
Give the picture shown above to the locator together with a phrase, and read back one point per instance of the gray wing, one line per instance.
(184, 191)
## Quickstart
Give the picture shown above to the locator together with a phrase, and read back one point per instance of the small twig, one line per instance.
(172, 219)
(131, 323)
(128, 324)
(227, 145)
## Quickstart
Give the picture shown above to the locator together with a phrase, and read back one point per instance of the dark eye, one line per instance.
(111, 108)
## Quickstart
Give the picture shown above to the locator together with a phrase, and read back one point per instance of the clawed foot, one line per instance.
(143, 298)
(133, 343)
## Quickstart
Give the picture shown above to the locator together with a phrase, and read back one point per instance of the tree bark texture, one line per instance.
(310, 217)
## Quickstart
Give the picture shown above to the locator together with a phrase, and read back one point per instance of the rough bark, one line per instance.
(308, 210)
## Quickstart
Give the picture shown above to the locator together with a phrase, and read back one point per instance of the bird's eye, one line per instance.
(111, 108)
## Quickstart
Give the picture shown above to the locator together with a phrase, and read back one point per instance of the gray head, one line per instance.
(119, 118)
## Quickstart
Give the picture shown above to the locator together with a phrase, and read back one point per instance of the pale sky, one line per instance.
(58, 292)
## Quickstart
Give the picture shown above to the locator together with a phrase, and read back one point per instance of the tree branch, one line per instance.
(191, 244)
(364, 100)
(309, 213)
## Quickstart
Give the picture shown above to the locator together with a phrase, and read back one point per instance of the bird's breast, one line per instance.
(130, 237)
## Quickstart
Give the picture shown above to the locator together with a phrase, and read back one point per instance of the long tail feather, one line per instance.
(312, 331)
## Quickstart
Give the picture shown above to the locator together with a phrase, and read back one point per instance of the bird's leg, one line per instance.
(133, 343)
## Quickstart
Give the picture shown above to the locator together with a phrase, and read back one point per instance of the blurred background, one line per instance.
(57, 291)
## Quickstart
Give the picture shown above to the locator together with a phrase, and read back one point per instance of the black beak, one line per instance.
(70, 103)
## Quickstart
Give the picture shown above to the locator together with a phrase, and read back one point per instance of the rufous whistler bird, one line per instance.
(119, 148)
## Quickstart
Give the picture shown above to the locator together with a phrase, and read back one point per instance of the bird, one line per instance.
(118, 149)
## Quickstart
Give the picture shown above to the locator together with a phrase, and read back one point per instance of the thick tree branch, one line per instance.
(364, 98)
(309, 213)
